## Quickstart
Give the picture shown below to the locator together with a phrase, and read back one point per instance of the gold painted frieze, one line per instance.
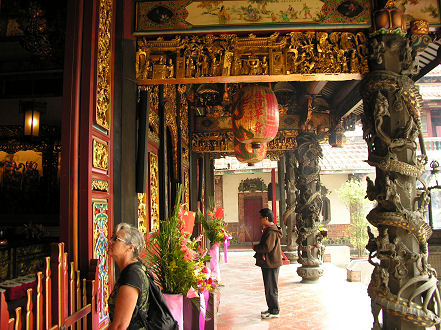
(210, 58)
(222, 142)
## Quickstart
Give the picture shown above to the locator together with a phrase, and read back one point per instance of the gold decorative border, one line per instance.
(100, 155)
(104, 65)
(154, 192)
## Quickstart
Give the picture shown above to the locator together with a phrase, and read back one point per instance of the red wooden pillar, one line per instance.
(87, 161)
(70, 129)
(274, 192)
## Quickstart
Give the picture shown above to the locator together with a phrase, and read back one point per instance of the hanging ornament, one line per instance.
(255, 115)
(246, 154)
(337, 138)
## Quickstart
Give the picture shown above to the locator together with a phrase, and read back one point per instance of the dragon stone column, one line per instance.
(403, 285)
(289, 216)
(309, 206)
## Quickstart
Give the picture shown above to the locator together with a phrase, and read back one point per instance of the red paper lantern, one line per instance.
(245, 153)
(255, 115)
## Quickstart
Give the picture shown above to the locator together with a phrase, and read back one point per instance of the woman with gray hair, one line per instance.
(129, 297)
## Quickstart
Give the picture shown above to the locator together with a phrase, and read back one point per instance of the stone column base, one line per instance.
(291, 255)
(310, 273)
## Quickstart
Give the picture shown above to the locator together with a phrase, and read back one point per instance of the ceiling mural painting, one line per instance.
(198, 16)
(428, 10)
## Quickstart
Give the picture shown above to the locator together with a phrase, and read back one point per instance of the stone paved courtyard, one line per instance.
(331, 303)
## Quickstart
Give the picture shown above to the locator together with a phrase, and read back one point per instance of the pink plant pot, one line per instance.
(175, 303)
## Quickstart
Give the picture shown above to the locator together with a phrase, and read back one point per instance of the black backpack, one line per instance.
(158, 316)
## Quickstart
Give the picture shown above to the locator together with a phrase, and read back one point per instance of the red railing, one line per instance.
(73, 305)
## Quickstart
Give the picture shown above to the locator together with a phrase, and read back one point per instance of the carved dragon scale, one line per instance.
(403, 284)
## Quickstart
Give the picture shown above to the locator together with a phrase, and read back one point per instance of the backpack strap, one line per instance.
(141, 315)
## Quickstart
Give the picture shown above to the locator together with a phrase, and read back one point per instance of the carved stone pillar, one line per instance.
(282, 198)
(309, 206)
(289, 216)
(403, 285)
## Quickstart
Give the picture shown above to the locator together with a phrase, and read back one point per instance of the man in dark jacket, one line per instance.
(269, 258)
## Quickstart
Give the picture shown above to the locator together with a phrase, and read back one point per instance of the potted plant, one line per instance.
(174, 259)
(215, 229)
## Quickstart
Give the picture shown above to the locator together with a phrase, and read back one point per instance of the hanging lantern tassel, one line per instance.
(255, 115)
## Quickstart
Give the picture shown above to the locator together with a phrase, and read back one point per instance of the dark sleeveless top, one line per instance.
(135, 276)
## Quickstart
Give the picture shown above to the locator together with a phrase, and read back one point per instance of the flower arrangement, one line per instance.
(176, 261)
(215, 227)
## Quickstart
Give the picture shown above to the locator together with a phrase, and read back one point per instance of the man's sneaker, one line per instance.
(269, 315)
(267, 311)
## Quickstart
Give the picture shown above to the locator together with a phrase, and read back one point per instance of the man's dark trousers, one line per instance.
(270, 277)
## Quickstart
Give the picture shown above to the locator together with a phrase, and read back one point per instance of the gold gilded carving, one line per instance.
(100, 155)
(142, 213)
(154, 127)
(184, 125)
(275, 155)
(303, 52)
(100, 185)
(319, 120)
(212, 142)
(222, 142)
(154, 98)
(104, 65)
(170, 118)
(186, 187)
(160, 69)
(154, 192)
(284, 140)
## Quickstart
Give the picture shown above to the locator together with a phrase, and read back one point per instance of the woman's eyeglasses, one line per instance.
(115, 238)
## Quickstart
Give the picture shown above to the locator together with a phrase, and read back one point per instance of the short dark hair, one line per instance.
(267, 213)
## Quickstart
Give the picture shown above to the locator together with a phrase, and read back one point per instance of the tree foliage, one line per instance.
(353, 194)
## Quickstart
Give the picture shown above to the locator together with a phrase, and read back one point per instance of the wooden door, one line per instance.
(252, 219)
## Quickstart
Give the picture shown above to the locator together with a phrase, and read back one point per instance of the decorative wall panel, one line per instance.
(104, 65)
(100, 185)
(100, 155)
(142, 213)
(154, 192)
(100, 244)
(185, 152)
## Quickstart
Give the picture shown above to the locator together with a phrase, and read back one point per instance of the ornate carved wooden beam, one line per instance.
(225, 58)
